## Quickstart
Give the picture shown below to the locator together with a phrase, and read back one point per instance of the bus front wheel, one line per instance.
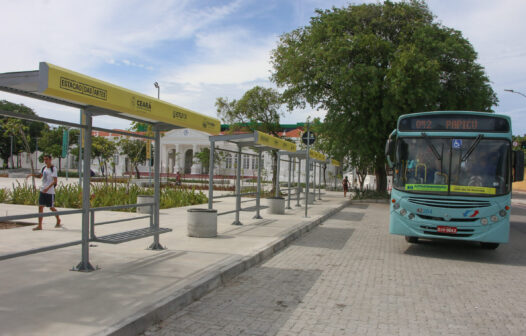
(489, 246)
(412, 240)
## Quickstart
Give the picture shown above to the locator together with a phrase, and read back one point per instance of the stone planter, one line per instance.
(276, 205)
(145, 209)
(201, 223)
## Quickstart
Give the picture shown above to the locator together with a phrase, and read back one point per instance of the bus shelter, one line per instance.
(336, 164)
(317, 160)
(309, 156)
(259, 142)
(93, 98)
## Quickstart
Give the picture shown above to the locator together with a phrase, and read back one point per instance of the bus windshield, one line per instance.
(452, 166)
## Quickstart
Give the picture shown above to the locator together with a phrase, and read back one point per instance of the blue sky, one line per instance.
(201, 50)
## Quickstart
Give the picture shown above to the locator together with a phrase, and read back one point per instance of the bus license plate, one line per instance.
(446, 229)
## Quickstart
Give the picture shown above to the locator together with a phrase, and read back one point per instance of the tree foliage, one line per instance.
(24, 132)
(257, 110)
(135, 150)
(368, 64)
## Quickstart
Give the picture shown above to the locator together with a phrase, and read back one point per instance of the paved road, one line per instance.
(350, 277)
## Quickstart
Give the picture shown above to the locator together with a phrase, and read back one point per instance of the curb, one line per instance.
(217, 276)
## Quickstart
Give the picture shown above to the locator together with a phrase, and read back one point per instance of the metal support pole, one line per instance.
(307, 170)
(299, 184)
(81, 133)
(278, 159)
(156, 189)
(238, 186)
(258, 196)
(314, 180)
(84, 265)
(319, 183)
(211, 176)
(288, 185)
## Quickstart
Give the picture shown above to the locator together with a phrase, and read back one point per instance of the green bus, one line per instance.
(452, 176)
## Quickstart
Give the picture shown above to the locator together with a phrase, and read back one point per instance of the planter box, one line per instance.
(311, 198)
(201, 223)
(276, 205)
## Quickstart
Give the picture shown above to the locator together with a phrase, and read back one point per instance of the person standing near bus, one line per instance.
(345, 184)
(47, 190)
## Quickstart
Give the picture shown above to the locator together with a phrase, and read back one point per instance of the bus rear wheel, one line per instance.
(489, 246)
(412, 240)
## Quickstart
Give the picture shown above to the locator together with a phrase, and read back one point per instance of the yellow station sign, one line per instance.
(272, 141)
(62, 83)
(316, 156)
(335, 163)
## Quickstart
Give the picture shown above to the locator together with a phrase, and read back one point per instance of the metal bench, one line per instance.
(122, 237)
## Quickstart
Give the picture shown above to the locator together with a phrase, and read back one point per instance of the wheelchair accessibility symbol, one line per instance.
(457, 143)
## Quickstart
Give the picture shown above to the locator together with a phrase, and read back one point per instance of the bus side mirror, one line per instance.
(518, 165)
(389, 150)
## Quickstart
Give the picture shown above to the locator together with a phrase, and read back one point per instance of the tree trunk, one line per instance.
(381, 176)
(137, 175)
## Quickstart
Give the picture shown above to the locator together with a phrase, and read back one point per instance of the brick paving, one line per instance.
(350, 277)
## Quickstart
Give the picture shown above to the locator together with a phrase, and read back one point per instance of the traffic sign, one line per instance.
(65, 142)
(309, 137)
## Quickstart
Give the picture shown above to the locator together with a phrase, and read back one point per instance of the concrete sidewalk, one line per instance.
(134, 287)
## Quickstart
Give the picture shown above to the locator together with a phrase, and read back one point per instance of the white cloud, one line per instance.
(82, 35)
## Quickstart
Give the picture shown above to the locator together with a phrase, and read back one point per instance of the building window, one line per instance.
(311, 167)
(116, 159)
(255, 162)
(246, 162)
(228, 161)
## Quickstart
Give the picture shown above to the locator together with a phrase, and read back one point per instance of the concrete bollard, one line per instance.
(145, 209)
(276, 205)
(201, 223)
(310, 199)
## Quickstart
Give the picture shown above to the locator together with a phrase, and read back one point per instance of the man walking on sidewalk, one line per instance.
(47, 190)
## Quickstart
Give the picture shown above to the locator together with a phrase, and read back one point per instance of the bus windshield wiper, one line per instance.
(430, 144)
(472, 148)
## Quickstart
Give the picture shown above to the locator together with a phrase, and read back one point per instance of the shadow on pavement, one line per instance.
(329, 238)
(512, 253)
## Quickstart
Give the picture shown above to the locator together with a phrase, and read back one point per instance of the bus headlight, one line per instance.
(403, 212)
(396, 206)
(503, 213)
(494, 218)
(484, 221)
(411, 216)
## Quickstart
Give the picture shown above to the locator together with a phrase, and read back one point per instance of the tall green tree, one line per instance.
(368, 64)
(136, 152)
(103, 149)
(51, 143)
(257, 110)
(24, 132)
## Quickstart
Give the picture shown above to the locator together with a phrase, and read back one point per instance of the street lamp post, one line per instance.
(517, 92)
(158, 87)
(12, 161)
(36, 151)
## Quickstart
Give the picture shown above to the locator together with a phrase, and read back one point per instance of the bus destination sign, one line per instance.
(452, 123)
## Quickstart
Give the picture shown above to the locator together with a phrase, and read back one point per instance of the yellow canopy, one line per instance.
(65, 84)
(272, 141)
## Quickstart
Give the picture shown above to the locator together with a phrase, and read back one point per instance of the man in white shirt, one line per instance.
(47, 190)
